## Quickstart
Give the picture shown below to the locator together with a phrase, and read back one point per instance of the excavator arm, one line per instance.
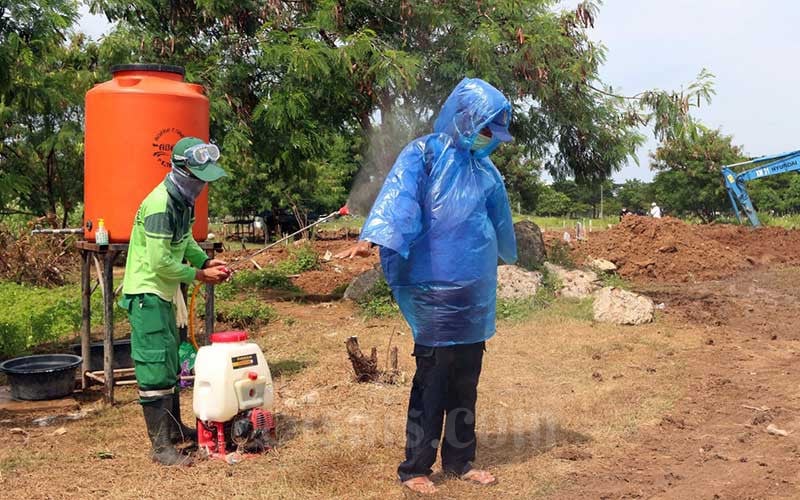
(765, 167)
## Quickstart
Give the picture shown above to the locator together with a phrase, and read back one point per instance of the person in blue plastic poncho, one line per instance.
(441, 220)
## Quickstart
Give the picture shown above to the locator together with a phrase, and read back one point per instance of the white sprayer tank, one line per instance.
(231, 375)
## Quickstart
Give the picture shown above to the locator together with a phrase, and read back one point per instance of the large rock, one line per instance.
(603, 265)
(517, 283)
(613, 305)
(363, 284)
(575, 284)
(530, 245)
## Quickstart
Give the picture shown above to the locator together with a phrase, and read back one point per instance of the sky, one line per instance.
(93, 25)
(750, 46)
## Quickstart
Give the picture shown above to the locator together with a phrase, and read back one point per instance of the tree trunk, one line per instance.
(366, 368)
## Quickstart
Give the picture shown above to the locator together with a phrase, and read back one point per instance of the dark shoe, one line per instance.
(159, 422)
(180, 433)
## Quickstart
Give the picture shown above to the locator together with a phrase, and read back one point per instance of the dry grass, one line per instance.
(538, 399)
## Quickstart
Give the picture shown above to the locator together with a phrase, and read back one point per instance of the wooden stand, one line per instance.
(103, 259)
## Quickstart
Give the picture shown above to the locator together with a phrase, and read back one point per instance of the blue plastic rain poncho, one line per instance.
(442, 218)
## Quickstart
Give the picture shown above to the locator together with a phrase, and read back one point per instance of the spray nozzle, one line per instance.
(344, 210)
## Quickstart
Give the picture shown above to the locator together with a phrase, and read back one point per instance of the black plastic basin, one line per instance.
(122, 354)
(44, 376)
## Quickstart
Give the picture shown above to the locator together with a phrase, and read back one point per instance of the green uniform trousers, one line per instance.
(154, 344)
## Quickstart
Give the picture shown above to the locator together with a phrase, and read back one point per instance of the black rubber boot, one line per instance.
(180, 433)
(159, 422)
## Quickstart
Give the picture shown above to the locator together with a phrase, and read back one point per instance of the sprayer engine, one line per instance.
(232, 398)
(251, 431)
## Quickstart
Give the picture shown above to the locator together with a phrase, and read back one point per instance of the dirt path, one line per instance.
(713, 443)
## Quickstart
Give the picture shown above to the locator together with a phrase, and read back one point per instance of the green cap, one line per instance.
(208, 172)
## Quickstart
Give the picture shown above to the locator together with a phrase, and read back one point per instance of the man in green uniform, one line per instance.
(160, 241)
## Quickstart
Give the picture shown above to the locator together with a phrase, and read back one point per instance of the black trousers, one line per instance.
(444, 389)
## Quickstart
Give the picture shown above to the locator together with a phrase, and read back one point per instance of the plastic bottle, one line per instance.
(101, 234)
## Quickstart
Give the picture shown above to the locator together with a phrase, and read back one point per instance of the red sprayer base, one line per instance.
(244, 436)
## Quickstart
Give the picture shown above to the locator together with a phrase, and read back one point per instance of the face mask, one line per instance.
(187, 185)
(480, 142)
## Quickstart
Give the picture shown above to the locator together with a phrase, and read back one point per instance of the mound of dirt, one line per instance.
(670, 250)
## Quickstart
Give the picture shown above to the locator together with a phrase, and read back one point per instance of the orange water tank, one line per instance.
(132, 122)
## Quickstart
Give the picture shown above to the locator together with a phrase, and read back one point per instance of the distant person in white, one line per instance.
(655, 211)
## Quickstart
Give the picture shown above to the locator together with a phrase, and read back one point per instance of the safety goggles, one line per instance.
(199, 154)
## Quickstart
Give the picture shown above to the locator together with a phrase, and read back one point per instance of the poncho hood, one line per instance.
(472, 105)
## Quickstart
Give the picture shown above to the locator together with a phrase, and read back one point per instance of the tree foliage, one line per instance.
(634, 195)
(689, 181)
(46, 70)
(552, 202)
(306, 93)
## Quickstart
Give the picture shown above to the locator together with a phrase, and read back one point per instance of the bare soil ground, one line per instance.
(713, 442)
(332, 273)
(567, 408)
(670, 250)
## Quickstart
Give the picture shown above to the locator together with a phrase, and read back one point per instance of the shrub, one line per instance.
(560, 255)
(34, 315)
(249, 313)
(380, 303)
(301, 259)
(254, 280)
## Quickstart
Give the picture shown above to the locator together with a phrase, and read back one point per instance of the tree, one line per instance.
(46, 70)
(552, 202)
(289, 96)
(302, 91)
(792, 195)
(585, 195)
(634, 194)
(521, 176)
(689, 179)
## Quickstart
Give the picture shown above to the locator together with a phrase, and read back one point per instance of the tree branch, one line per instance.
(327, 38)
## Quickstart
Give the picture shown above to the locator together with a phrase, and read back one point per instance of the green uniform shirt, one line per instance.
(160, 240)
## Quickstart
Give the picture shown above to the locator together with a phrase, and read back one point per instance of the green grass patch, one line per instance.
(380, 303)
(249, 313)
(517, 310)
(613, 279)
(34, 315)
(301, 259)
(564, 223)
(349, 222)
(577, 309)
(275, 277)
(286, 367)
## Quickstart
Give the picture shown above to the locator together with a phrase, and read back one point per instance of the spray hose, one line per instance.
(191, 333)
